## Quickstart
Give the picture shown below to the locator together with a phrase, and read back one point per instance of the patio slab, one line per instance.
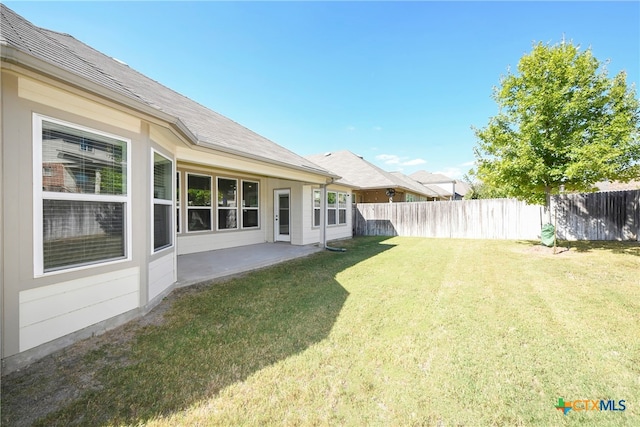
(210, 265)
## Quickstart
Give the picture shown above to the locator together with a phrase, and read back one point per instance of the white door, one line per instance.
(281, 217)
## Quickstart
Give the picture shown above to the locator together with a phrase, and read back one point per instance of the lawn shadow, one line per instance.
(212, 337)
(615, 247)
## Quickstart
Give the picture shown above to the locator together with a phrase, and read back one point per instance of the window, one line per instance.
(81, 200)
(177, 202)
(227, 204)
(332, 199)
(250, 204)
(317, 205)
(162, 202)
(342, 208)
(198, 202)
(336, 207)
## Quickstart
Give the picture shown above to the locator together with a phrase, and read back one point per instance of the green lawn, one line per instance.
(400, 331)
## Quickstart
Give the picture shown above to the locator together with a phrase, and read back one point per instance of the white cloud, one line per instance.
(414, 162)
(377, 128)
(351, 128)
(389, 159)
(392, 159)
(457, 171)
(451, 172)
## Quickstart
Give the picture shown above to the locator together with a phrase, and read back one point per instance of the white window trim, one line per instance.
(39, 195)
(237, 208)
(257, 209)
(165, 202)
(346, 206)
(314, 208)
(178, 226)
(334, 208)
(186, 214)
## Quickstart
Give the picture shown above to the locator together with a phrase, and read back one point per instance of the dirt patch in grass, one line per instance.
(52, 382)
(539, 249)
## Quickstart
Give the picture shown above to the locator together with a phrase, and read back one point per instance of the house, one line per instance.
(372, 184)
(454, 189)
(108, 176)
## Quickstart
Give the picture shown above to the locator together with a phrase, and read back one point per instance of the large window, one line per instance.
(332, 207)
(342, 208)
(81, 197)
(250, 204)
(162, 202)
(317, 206)
(198, 202)
(178, 202)
(336, 207)
(227, 204)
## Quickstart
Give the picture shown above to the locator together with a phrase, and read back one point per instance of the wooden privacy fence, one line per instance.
(613, 215)
(597, 216)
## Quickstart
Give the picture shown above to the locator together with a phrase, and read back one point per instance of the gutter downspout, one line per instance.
(323, 219)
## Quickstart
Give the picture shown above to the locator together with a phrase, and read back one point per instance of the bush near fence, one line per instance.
(596, 216)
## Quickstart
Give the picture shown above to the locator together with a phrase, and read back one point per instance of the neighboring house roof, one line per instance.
(359, 173)
(425, 177)
(434, 190)
(617, 186)
(200, 124)
(428, 178)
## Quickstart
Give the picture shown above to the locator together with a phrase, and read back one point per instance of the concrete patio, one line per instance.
(203, 266)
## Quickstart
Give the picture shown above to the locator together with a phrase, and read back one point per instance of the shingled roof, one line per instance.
(359, 173)
(203, 126)
(432, 179)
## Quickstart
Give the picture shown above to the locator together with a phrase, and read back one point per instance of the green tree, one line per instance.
(481, 190)
(561, 122)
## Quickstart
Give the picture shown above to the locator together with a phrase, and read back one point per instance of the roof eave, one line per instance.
(22, 59)
(321, 172)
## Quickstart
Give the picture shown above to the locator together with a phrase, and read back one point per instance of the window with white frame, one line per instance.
(342, 208)
(81, 200)
(336, 207)
(162, 201)
(227, 204)
(250, 204)
(198, 202)
(332, 207)
(177, 202)
(317, 205)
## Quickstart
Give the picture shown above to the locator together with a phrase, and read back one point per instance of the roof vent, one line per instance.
(327, 154)
(120, 62)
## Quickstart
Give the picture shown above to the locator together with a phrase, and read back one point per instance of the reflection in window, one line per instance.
(162, 202)
(227, 204)
(199, 202)
(83, 195)
(250, 204)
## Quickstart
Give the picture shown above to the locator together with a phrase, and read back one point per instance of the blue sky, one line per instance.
(400, 83)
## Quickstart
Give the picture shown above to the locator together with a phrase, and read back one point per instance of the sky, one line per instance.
(402, 84)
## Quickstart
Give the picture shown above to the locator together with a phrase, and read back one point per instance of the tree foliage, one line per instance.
(561, 122)
(481, 190)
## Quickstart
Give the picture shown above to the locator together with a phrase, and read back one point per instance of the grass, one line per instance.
(400, 331)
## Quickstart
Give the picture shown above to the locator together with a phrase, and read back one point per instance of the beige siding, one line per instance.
(311, 234)
(201, 156)
(46, 95)
(162, 274)
(53, 311)
(199, 242)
